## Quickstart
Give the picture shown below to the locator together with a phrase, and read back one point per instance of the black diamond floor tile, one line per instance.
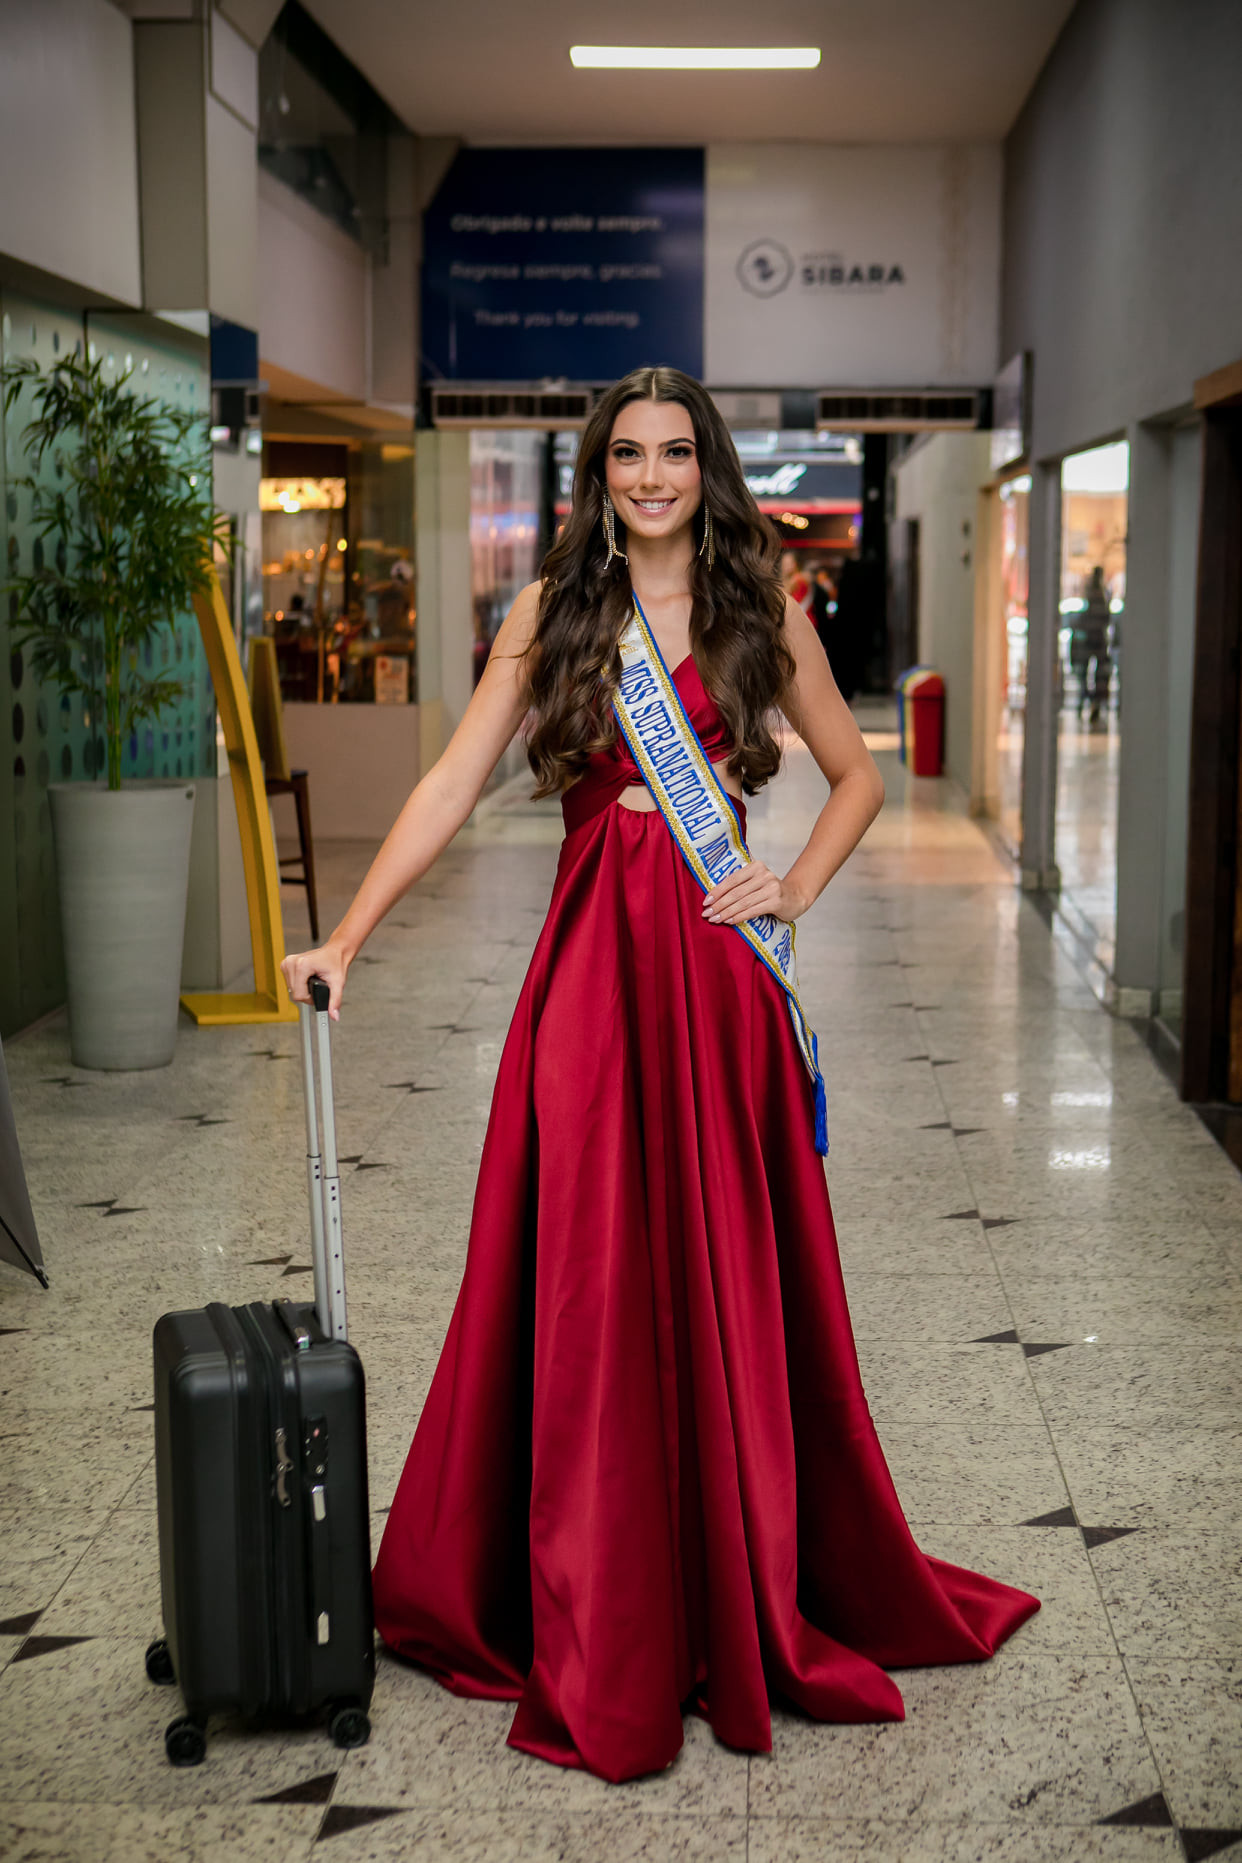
(1146, 1811)
(316, 1791)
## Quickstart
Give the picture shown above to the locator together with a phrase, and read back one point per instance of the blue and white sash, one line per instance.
(702, 819)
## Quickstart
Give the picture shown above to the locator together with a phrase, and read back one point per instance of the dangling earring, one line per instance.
(610, 534)
(708, 546)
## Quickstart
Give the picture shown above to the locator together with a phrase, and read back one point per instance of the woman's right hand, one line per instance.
(328, 962)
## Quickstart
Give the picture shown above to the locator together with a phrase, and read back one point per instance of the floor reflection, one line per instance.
(1086, 824)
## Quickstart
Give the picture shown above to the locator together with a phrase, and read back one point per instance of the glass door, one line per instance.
(1094, 517)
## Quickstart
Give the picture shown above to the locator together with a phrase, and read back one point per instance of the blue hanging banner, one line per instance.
(564, 263)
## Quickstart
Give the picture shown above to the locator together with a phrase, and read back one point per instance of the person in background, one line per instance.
(1090, 657)
(797, 583)
(823, 603)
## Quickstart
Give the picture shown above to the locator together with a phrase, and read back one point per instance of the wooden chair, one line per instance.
(279, 779)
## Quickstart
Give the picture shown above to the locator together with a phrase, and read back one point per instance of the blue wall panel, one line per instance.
(574, 263)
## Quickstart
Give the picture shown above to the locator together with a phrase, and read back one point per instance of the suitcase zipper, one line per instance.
(250, 1412)
(284, 1465)
(281, 1511)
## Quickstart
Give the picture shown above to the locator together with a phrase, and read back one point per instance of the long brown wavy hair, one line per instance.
(737, 615)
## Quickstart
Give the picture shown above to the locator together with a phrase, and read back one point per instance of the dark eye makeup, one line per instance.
(676, 449)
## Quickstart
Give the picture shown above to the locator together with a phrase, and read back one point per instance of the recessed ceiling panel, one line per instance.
(891, 70)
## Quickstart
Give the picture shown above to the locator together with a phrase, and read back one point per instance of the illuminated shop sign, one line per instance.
(775, 484)
(293, 495)
(816, 487)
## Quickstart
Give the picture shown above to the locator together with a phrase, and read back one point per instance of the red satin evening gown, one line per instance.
(646, 1476)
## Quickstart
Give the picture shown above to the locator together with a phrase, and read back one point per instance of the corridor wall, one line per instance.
(937, 483)
(1122, 274)
(1122, 216)
(68, 145)
(313, 295)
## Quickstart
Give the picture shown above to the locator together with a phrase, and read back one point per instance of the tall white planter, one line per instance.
(123, 863)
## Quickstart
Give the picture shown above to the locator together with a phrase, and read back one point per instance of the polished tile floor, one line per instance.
(1044, 1257)
(1088, 770)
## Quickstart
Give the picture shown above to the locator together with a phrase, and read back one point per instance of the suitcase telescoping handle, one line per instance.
(322, 1173)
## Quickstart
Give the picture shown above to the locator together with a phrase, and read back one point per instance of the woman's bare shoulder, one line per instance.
(523, 618)
(518, 627)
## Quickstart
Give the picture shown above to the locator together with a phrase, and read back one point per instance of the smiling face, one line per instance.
(651, 468)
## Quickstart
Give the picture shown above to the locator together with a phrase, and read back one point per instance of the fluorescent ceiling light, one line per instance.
(695, 57)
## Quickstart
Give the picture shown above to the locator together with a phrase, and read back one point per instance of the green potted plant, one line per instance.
(126, 528)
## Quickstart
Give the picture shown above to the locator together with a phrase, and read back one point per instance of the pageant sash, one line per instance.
(702, 819)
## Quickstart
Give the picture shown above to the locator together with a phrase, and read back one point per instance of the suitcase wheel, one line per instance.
(349, 1727)
(160, 1663)
(185, 1742)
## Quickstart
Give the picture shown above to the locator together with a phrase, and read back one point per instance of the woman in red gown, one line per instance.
(645, 1478)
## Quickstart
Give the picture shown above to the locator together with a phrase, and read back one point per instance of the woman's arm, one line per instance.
(824, 722)
(436, 809)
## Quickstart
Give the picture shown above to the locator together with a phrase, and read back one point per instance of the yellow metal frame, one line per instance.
(269, 1001)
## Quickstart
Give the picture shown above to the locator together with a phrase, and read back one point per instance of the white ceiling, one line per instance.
(498, 71)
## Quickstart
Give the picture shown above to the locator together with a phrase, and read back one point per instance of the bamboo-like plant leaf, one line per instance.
(134, 528)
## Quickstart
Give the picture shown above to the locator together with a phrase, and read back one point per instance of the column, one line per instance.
(196, 104)
(445, 622)
(1142, 775)
(1043, 685)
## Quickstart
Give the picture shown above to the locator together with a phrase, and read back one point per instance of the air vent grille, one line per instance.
(544, 408)
(897, 411)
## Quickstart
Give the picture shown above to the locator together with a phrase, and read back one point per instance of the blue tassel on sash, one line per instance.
(821, 1105)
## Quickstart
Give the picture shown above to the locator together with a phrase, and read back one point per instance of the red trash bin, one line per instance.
(925, 699)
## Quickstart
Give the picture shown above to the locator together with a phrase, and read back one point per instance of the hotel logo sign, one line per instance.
(831, 271)
(865, 267)
(765, 268)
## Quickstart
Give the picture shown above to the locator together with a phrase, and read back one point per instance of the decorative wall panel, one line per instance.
(45, 738)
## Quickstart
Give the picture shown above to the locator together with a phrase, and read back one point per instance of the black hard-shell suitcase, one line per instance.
(261, 1485)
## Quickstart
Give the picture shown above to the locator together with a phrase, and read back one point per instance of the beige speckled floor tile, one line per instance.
(1119, 1309)
(57, 1833)
(945, 1309)
(976, 1474)
(84, 1725)
(433, 1748)
(1148, 1384)
(948, 1385)
(607, 1835)
(1166, 1475)
(1045, 1738)
(1174, 1594)
(823, 1840)
(114, 1590)
(1053, 1563)
(245, 1833)
(46, 1461)
(39, 1548)
(1192, 1714)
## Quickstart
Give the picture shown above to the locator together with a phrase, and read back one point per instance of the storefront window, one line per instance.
(304, 551)
(1094, 517)
(338, 570)
(1015, 503)
(378, 652)
(507, 472)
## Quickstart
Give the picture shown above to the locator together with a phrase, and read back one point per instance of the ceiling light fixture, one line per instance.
(695, 57)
